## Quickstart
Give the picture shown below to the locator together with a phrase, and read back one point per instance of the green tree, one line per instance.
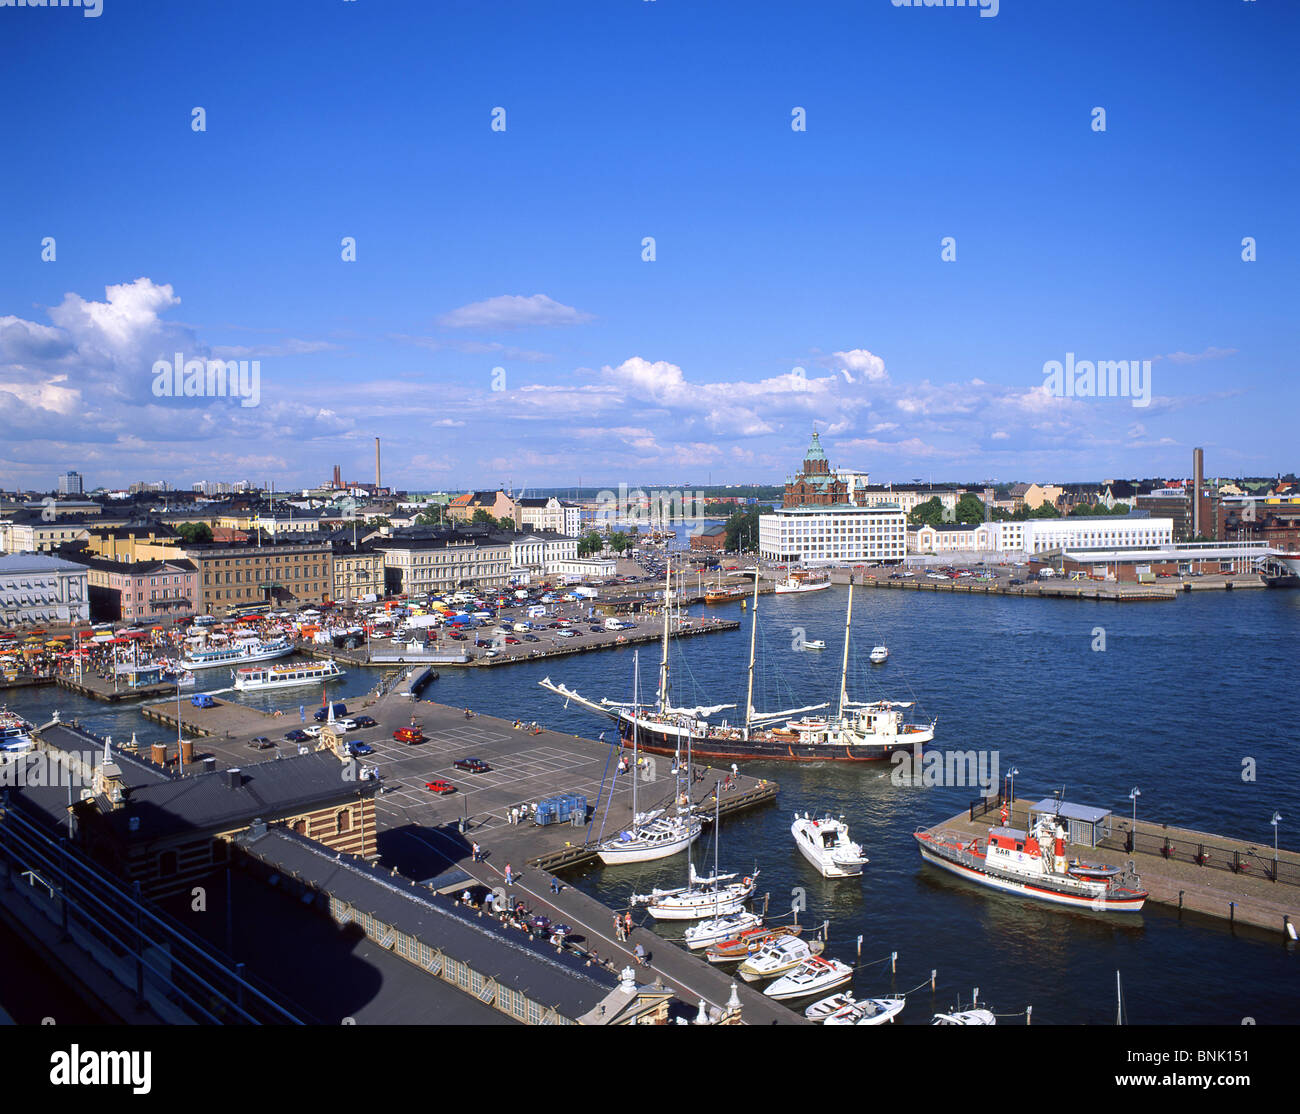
(507, 523)
(589, 544)
(929, 513)
(970, 509)
(195, 533)
(1046, 510)
(619, 542)
(378, 522)
(742, 530)
(482, 517)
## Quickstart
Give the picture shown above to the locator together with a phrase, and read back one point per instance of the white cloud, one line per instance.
(513, 311)
(862, 363)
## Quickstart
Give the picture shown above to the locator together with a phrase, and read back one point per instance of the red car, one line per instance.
(442, 787)
(409, 735)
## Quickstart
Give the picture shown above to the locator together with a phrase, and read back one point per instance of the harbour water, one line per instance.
(1182, 700)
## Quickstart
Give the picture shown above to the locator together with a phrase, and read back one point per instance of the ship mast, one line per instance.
(663, 660)
(753, 634)
(636, 665)
(844, 668)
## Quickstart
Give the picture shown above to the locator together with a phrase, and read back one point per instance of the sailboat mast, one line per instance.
(663, 659)
(844, 668)
(635, 714)
(753, 634)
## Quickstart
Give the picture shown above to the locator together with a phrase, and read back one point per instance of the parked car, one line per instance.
(531, 638)
(260, 743)
(345, 724)
(203, 700)
(360, 749)
(440, 787)
(512, 642)
(365, 721)
(322, 714)
(473, 765)
(297, 735)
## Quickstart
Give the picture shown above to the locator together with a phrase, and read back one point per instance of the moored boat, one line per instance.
(867, 1011)
(825, 843)
(745, 944)
(255, 678)
(812, 976)
(1033, 865)
(802, 582)
(778, 957)
(245, 650)
(964, 1017)
(705, 933)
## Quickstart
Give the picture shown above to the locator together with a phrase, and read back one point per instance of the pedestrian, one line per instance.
(555, 885)
(627, 924)
(618, 928)
(488, 900)
(474, 848)
(510, 875)
(641, 956)
(465, 898)
(735, 770)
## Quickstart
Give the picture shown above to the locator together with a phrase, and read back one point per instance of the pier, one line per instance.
(1056, 588)
(1197, 872)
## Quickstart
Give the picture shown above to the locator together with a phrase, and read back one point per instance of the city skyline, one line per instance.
(500, 320)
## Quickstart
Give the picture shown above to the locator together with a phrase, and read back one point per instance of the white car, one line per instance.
(346, 724)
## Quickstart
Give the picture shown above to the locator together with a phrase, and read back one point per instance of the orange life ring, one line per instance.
(749, 881)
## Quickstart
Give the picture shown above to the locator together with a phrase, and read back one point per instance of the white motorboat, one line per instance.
(825, 843)
(879, 654)
(778, 957)
(245, 650)
(815, 644)
(964, 1017)
(653, 836)
(867, 1011)
(812, 976)
(260, 677)
(706, 933)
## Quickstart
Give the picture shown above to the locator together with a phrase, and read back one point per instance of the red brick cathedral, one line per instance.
(815, 486)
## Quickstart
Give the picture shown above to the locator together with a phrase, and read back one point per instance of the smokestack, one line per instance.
(1198, 480)
(376, 465)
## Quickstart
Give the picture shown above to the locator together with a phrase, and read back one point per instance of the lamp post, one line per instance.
(1011, 802)
(1132, 835)
(1277, 819)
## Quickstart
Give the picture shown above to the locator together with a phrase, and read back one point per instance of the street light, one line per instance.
(1011, 803)
(1277, 819)
(1132, 835)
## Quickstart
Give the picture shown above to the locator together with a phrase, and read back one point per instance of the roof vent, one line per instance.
(234, 778)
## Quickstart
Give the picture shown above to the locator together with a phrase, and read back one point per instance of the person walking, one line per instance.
(641, 955)
(555, 885)
(627, 924)
(510, 876)
(475, 849)
(618, 928)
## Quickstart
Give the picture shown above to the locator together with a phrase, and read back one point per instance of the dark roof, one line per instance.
(559, 980)
(138, 568)
(207, 800)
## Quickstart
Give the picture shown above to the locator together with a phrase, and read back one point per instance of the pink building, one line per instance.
(142, 591)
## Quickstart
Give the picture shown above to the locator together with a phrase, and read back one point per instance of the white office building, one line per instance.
(70, 483)
(1017, 540)
(833, 534)
(38, 589)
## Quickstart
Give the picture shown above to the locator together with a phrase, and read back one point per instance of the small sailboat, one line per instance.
(653, 836)
(705, 933)
(812, 976)
(702, 898)
(825, 843)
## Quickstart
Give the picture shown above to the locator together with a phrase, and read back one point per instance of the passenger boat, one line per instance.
(861, 731)
(260, 677)
(778, 957)
(879, 655)
(245, 650)
(825, 843)
(723, 928)
(862, 1011)
(1033, 865)
(812, 976)
(653, 836)
(15, 733)
(802, 582)
(745, 944)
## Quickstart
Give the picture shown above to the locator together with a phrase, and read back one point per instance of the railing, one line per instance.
(1251, 862)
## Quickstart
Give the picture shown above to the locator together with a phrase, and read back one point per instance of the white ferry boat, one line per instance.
(1034, 865)
(283, 676)
(254, 649)
(802, 582)
(825, 843)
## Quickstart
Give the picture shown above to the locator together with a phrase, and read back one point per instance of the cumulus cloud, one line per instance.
(513, 311)
(862, 364)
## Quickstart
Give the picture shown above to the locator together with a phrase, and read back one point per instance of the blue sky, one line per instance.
(521, 249)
